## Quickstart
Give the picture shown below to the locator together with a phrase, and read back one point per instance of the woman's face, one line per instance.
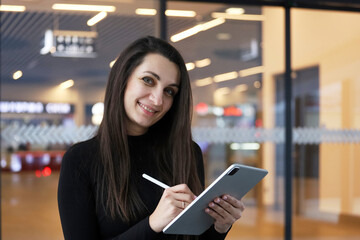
(150, 92)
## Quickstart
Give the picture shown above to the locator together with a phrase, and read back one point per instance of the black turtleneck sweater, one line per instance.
(82, 217)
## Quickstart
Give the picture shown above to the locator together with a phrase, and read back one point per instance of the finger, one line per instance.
(178, 199)
(179, 204)
(183, 188)
(218, 207)
(182, 197)
(182, 192)
(224, 208)
(214, 214)
(218, 217)
(234, 202)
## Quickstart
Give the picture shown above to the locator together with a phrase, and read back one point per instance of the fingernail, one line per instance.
(211, 204)
(217, 200)
(225, 197)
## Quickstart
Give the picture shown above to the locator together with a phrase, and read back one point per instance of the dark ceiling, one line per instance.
(22, 37)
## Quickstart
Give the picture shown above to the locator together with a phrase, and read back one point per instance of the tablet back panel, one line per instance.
(193, 220)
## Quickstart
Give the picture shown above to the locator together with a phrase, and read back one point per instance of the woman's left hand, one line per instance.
(225, 210)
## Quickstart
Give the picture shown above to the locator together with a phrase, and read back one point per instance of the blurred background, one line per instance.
(56, 57)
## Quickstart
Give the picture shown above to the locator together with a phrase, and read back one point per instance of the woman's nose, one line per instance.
(156, 98)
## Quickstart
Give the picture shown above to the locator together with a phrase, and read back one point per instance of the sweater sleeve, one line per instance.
(141, 231)
(77, 204)
(211, 233)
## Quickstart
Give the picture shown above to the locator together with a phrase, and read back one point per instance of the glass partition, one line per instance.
(232, 53)
(326, 103)
(43, 52)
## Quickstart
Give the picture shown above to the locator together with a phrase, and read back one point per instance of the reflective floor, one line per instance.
(29, 211)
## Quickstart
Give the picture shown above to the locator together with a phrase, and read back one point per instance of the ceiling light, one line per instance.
(145, 11)
(212, 23)
(12, 8)
(235, 11)
(187, 33)
(83, 7)
(180, 13)
(203, 82)
(196, 29)
(97, 18)
(67, 84)
(203, 63)
(223, 36)
(18, 74)
(222, 91)
(251, 71)
(225, 76)
(169, 13)
(241, 88)
(190, 66)
(245, 17)
(257, 84)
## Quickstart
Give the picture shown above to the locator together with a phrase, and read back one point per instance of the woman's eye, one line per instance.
(170, 92)
(148, 80)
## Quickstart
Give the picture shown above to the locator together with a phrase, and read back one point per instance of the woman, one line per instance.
(145, 129)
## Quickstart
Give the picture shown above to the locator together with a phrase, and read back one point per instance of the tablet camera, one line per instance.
(233, 171)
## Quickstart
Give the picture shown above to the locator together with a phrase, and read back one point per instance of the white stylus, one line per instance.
(153, 180)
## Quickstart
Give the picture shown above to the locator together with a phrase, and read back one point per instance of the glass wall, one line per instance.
(326, 81)
(231, 66)
(43, 49)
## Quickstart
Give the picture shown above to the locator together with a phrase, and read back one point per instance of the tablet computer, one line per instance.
(236, 181)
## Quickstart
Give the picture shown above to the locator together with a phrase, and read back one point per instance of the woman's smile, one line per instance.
(146, 109)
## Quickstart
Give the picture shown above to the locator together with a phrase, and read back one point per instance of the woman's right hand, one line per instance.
(172, 202)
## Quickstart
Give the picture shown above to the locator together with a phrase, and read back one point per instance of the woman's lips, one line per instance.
(147, 109)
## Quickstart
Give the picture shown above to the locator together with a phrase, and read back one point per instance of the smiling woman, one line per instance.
(146, 128)
(149, 93)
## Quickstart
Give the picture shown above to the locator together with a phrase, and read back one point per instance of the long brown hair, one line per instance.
(172, 134)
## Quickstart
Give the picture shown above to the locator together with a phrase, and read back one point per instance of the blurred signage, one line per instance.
(62, 43)
(35, 107)
(242, 110)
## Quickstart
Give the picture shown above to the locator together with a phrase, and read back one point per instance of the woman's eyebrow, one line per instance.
(154, 74)
(174, 85)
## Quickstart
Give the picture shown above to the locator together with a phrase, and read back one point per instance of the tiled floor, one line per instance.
(29, 211)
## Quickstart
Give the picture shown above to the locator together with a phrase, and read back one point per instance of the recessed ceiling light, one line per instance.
(203, 63)
(235, 11)
(12, 8)
(67, 84)
(225, 76)
(145, 11)
(18, 74)
(83, 7)
(196, 29)
(180, 13)
(97, 18)
(223, 36)
(190, 66)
